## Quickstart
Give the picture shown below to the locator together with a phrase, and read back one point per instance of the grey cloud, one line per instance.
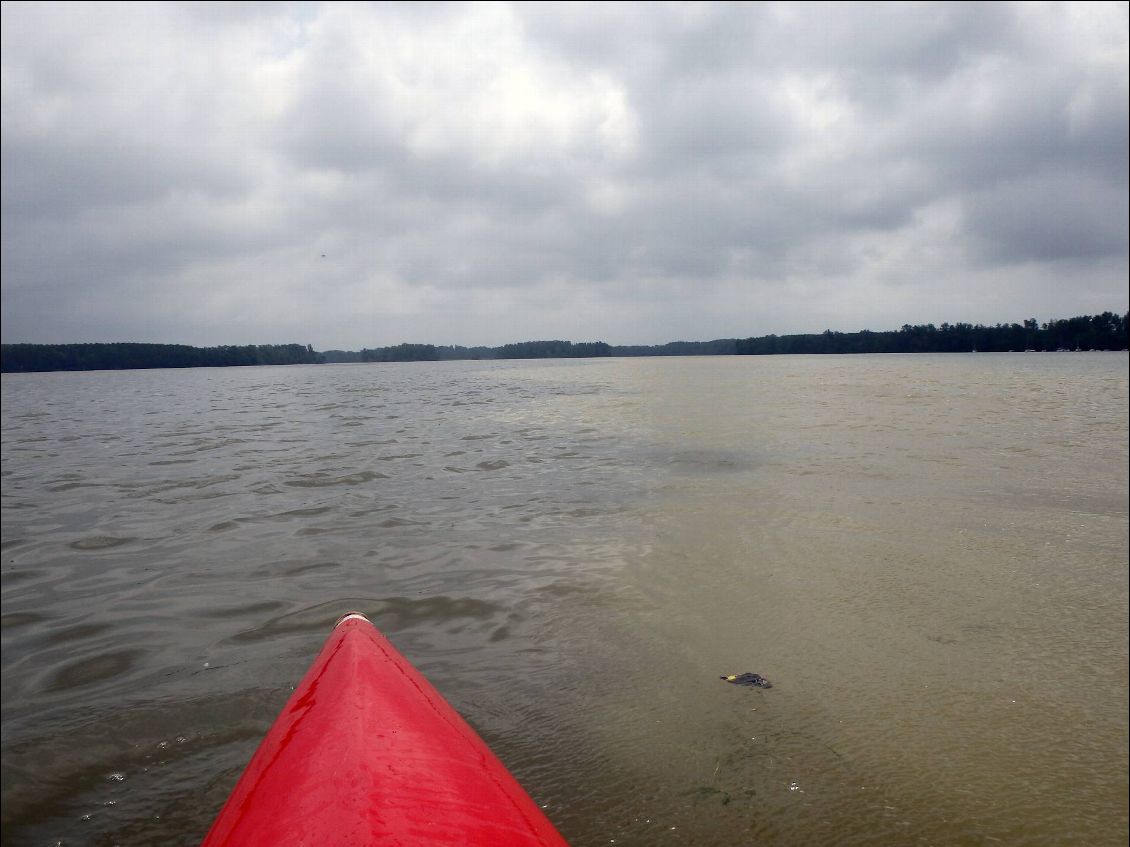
(909, 41)
(1047, 218)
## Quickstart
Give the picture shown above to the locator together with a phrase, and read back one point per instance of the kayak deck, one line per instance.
(366, 751)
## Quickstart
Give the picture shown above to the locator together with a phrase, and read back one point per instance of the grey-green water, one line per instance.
(927, 555)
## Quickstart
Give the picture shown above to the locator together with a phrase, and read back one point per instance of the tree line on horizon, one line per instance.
(530, 350)
(441, 353)
(1106, 331)
(24, 358)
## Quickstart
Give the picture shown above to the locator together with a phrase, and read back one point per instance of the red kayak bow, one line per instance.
(367, 752)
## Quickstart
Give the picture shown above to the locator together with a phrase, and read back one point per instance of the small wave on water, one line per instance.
(99, 542)
(393, 613)
(324, 480)
(92, 670)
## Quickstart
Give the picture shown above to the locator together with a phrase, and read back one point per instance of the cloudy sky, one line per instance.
(354, 175)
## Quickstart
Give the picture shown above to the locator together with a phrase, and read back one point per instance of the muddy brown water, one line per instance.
(926, 555)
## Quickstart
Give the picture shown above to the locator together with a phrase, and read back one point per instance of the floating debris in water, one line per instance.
(755, 680)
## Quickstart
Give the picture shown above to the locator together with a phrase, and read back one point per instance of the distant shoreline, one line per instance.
(1107, 331)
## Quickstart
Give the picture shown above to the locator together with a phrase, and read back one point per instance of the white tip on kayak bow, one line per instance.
(351, 616)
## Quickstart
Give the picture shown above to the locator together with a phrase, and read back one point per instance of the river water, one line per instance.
(926, 555)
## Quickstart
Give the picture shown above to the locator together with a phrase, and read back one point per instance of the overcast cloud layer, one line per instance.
(354, 175)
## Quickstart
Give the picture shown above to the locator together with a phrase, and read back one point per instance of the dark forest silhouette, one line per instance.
(1097, 332)
(1107, 331)
(126, 356)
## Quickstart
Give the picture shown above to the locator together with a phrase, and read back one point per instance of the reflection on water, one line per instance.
(926, 555)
